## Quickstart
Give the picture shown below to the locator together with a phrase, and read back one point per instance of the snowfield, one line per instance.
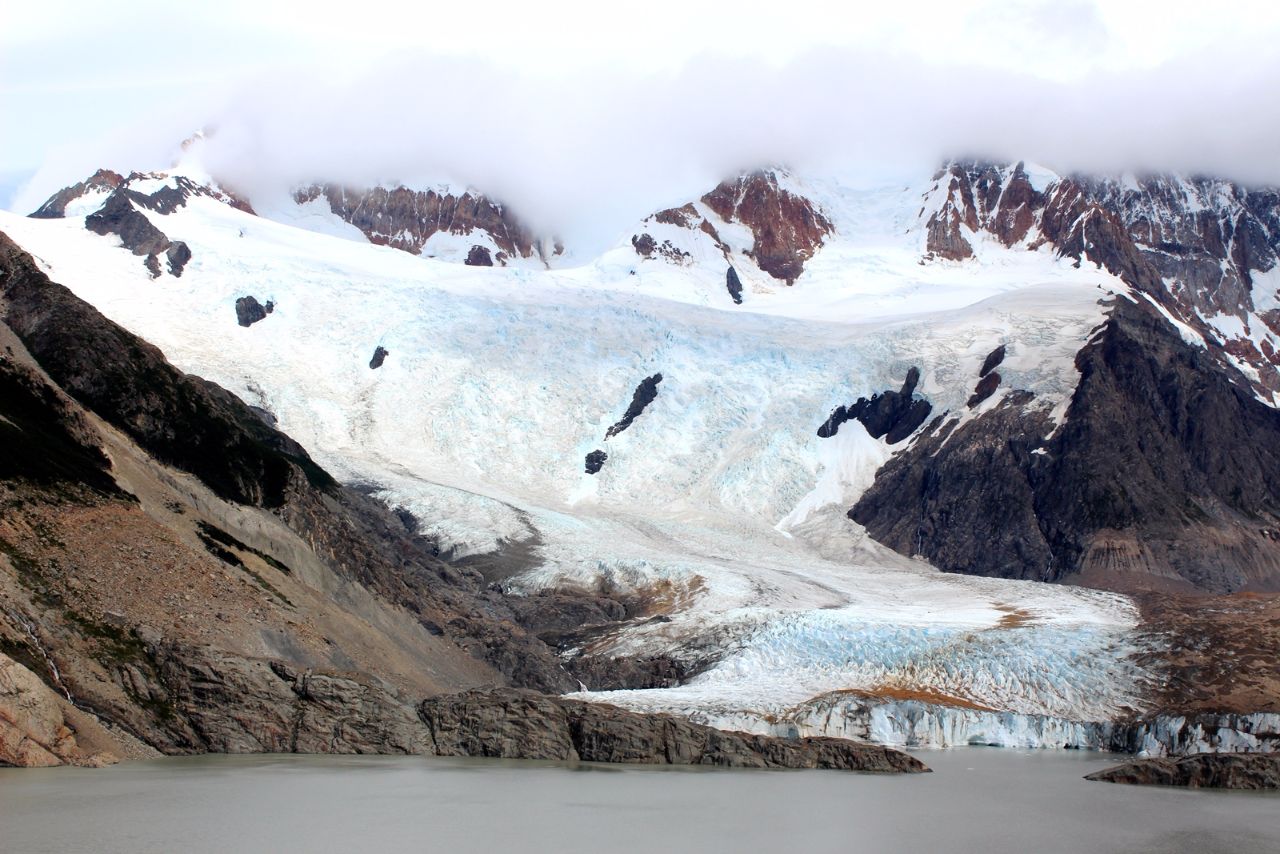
(720, 500)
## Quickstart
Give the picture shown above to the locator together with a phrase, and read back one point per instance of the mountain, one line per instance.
(1164, 466)
(716, 469)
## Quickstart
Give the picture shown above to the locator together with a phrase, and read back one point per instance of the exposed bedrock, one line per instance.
(1166, 469)
(118, 216)
(380, 354)
(894, 415)
(1203, 771)
(40, 729)
(516, 724)
(984, 389)
(102, 181)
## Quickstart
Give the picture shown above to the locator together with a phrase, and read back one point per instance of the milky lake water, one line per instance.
(977, 800)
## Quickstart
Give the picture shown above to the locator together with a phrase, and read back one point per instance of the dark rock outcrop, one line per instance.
(787, 229)
(595, 461)
(1166, 468)
(178, 254)
(249, 311)
(184, 421)
(223, 703)
(178, 189)
(985, 388)
(644, 244)
(525, 725)
(42, 440)
(734, 284)
(1199, 771)
(892, 414)
(118, 216)
(994, 359)
(478, 256)
(644, 395)
(380, 354)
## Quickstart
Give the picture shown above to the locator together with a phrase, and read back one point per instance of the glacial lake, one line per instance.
(987, 800)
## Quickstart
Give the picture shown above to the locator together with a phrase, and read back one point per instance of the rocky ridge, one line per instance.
(408, 219)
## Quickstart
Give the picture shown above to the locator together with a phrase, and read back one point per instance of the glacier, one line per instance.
(721, 495)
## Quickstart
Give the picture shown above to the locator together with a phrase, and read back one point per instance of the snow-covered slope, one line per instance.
(720, 502)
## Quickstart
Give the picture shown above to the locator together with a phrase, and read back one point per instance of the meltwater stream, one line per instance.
(986, 800)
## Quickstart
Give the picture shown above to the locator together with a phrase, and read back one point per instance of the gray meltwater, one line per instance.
(985, 800)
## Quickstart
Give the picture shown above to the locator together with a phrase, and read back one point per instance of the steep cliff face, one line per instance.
(408, 220)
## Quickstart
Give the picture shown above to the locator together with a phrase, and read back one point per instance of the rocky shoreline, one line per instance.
(519, 724)
(339, 715)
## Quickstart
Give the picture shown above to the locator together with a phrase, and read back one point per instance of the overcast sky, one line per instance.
(575, 110)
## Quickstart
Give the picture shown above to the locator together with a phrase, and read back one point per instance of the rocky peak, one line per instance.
(408, 219)
(101, 183)
(786, 228)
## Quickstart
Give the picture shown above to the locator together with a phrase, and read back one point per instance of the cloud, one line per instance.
(584, 150)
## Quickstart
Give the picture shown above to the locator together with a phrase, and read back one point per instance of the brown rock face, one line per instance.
(406, 219)
(788, 228)
(981, 196)
(516, 724)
